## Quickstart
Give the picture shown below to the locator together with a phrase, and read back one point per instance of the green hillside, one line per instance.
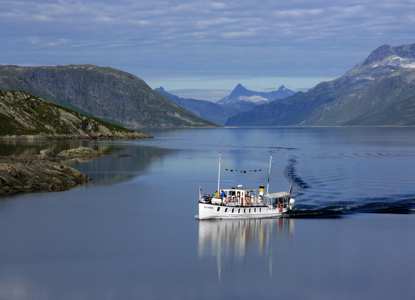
(104, 92)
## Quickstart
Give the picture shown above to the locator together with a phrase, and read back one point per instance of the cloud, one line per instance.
(217, 21)
(59, 42)
(204, 38)
(235, 34)
(299, 12)
(41, 18)
(218, 5)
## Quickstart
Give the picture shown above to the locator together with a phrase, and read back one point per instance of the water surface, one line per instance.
(131, 232)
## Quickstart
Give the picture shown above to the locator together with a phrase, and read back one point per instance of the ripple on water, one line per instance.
(352, 182)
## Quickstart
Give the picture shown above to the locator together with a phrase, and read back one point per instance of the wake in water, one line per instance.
(290, 173)
(403, 204)
(332, 188)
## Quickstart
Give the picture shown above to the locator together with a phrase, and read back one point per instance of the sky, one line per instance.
(206, 45)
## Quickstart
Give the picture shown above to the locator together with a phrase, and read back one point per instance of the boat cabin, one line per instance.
(281, 199)
(248, 197)
(240, 197)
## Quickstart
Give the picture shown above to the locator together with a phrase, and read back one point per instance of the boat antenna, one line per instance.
(219, 175)
(269, 172)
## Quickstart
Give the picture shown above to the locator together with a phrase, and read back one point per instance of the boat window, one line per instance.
(254, 209)
(226, 209)
(218, 208)
(244, 210)
(239, 210)
(232, 210)
(260, 209)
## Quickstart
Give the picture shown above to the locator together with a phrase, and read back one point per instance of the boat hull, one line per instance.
(211, 211)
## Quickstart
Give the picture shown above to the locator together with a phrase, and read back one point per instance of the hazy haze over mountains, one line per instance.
(212, 95)
(239, 100)
(217, 113)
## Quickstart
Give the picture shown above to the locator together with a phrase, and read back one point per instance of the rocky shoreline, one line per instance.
(95, 135)
(44, 172)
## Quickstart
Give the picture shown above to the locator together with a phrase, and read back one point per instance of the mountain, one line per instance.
(379, 91)
(104, 92)
(240, 93)
(217, 113)
(389, 100)
(385, 60)
(22, 113)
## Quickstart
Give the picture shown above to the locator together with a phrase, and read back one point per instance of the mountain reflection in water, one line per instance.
(231, 242)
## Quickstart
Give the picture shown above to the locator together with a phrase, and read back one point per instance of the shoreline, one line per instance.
(93, 136)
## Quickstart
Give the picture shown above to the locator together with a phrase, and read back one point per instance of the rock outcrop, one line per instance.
(81, 153)
(25, 175)
(44, 172)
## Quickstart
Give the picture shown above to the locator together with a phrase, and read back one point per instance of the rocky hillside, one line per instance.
(104, 92)
(24, 114)
(379, 91)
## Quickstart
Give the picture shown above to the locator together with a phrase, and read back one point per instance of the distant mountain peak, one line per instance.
(160, 89)
(238, 91)
(397, 56)
(242, 94)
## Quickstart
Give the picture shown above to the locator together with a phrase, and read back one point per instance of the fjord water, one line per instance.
(131, 233)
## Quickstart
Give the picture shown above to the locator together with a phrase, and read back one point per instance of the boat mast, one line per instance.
(219, 176)
(269, 172)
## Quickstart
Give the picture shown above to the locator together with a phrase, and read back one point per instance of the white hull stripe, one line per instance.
(209, 211)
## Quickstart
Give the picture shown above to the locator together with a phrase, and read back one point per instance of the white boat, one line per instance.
(239, 202)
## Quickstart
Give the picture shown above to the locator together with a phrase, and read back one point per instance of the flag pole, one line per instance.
(219, 176)
(269, 172)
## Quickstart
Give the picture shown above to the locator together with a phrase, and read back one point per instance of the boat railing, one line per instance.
(250, 199)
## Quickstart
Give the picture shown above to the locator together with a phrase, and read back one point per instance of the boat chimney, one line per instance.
(261, 190)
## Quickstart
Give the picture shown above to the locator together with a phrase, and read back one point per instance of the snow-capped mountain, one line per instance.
(240, 94)
(384, 60)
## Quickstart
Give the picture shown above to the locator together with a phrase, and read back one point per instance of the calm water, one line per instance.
(131, 232)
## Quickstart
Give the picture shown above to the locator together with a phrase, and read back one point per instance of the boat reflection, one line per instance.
(234, 240)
